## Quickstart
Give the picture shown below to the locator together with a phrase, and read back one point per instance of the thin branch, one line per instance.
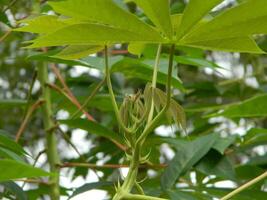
(34, 77)
(245, 186)
(33, 181)
(94, 92)
(5, 35)
(111, 93)
(108, 166)
(27, 118)
(34, 163)
(68, 140)
(61, 91)
(68, 91)
(118, 52)
(154, 82)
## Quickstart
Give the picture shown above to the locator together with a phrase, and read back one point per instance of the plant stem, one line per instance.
(51, 142)
(245, 186)
(123, 192)
(150, 126)
(154, 82)
(27, 118)
(111, 93)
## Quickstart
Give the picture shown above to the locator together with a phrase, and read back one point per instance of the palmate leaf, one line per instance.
(104, 22)
(158, 12)
(42, 24)
(243, 44)
(248, 18)
(194, 12)
(104, 12)
(88, 34)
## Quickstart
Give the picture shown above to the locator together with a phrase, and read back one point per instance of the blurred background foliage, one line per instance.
(211, 82)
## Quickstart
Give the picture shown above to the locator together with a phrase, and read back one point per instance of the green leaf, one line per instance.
(51, 56)
(6, 153)
(12, 102)
(104, 12)
(236, 44)
(188, 154)
(76, 52)
(247, 18)
(254, 137)
(253, 107)
(15, 189)
(136, 69)
(94, 34)
(223, 143)
(215, 164)
(90, 186)
(93, 128)
(187, 195)
(158, 12)
(10, 144)
(42, 24)
(136, 48)
(199, 62)
(193, 13)
(16, 170)
(176, 21)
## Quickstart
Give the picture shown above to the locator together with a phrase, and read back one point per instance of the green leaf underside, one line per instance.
(248, 18)
(87, 34)
(195, 61)
(76, 52)
(194, 12)
(10, 144)
(158, 12)
(105, 12)
(8, 154)
(15, 170)
(133, 68)
(253, 107)
(92, 128)
(187, 155)
(42, 24)
(241, 44)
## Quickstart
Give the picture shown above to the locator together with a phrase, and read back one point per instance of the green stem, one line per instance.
(51, 142)
(150, 126)
(112, 96)
(154, 82)
(132, 174)
(245, 186)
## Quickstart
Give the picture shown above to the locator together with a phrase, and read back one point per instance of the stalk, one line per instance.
(245, 186)
(130, 180)
(154, 81)
(112, 96)
(51, 142)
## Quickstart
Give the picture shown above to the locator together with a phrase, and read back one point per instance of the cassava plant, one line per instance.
(84, 27)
